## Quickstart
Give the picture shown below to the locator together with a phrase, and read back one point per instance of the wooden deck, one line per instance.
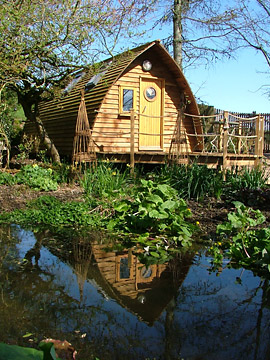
(212, 160)
(221, 140)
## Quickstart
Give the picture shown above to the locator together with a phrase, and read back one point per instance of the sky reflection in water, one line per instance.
(107, 304)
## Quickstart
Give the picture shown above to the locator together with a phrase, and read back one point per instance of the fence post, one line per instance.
(132, 145)
(262, 134)
(239, 140)
(225, 140)
(259, 139)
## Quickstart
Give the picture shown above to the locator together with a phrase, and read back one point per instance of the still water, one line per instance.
(109, 306)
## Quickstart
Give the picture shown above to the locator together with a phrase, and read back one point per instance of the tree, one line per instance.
(251, 28)
(201, 31)
(44, 41)
(209, 30)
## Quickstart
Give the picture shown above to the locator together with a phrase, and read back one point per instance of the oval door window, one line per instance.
(150, 93)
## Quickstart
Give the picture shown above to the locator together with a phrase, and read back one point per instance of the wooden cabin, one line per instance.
(145, 291)
(133, 102)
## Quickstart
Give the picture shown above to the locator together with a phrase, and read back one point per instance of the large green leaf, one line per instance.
(166, 190)
(49, 350)
(14, 352)
(154, 199)
(122, 207)
(158, 214)
(169, 205)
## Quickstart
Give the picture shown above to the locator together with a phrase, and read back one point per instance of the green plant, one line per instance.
(26, 146)
(193, 181)
(6, 178)
(62, 173)
(14, 352)
(158, 214)
(36, 177)
(47, 210)
(238, 182)
(242, 239)
(105, 181)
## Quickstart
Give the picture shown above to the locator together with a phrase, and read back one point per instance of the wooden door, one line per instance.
(151, 114)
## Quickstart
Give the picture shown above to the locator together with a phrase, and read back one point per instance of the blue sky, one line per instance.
(234, 85)
(237, 84)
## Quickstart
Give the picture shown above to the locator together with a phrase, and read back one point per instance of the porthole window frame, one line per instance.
(145, 94)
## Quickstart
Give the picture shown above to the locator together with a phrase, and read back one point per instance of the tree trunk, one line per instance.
(177, 31)
(32, 114)
(46, 141)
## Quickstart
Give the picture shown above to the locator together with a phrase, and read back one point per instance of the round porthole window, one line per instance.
(147, 65)
(146, 272)
(150, 93)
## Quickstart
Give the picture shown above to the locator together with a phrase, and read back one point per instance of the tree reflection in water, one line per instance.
(106, 303)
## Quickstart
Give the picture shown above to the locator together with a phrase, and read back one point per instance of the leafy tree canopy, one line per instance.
(43, 41)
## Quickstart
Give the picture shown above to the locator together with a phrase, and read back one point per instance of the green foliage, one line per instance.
(155, 209)
(193, 181)
(105, 181)
(14, 352)
(244, 179)
(6, 178)
(11, 114)
(47, 210)
(25, 147)
(36, 177)
(242, 240)
(198, 182)
(62, 173)
(39, 177)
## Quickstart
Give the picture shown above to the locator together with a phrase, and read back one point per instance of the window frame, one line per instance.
(121, 99)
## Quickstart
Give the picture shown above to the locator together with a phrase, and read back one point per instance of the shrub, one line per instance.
(193, 181)
(105, 181)
(36, 177)
(251, 179)
(243, 240)
(47, 210)
(6, 178)
(244, 184)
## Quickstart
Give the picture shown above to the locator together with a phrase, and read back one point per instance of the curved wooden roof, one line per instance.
(111, 70)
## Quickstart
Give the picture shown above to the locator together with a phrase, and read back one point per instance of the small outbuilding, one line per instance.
(132, 103)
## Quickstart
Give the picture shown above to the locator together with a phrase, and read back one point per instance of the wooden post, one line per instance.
(178, 134)
(239, 140)
(220, 138)
(262, 134)
(225, 140)
(132, 145)
(259, 139)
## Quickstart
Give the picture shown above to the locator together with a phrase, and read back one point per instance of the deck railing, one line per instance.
(221, 134)
(229, 133)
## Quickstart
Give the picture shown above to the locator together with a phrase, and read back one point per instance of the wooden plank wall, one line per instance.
(112, 132)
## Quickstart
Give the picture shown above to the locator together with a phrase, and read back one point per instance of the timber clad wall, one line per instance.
(111, 129)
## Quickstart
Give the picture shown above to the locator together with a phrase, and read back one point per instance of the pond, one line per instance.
(109, 306)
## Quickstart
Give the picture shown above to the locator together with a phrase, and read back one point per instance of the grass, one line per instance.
(106, 181)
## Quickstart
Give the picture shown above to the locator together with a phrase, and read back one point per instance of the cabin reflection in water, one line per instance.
(144, 291)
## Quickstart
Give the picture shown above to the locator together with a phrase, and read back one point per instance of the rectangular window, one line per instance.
(126, 100)
(128, 95)
(124, 267)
